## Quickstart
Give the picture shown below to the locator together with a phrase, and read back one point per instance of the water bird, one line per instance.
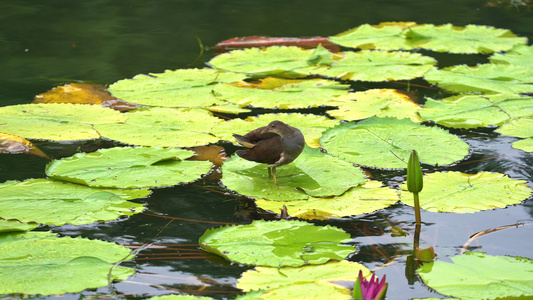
(276, 144)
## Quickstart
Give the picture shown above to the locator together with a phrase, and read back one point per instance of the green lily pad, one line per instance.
(476, 275)
(525, 145)
(178, 88)
(14, 225)
(56, 121)
(163, 127)
(522, 128)
(468, 39)
(307, 282)
(372, 143)
(54, 202)
(520, 55)
(375, 102)
(356, 201)
(287, 62)
(468, 193)
(277, 243)
(179, 297)
(126, 167)
(281, 93)
(472, 111)
(47, 265)
(486, 78)
(367, 65)
(312, 126)
(385, 36)
(311, 174)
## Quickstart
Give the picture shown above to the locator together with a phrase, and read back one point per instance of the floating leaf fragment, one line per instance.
(277, 243)
(468, 193)
(17, 145)
(126, 167)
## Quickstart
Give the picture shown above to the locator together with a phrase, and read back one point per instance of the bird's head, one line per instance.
(277, 127)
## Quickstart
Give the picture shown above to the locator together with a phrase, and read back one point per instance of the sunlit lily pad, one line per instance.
(178, 88)
(56, 121)
(375, 102)
(53, 202)
(367, 65)
(358, 200)
(372, 143)
(312, 126)
(281, 93)
(468, 39)
(522, 128)
(384, 36)
(126, 167)
(288, 62)
(313, 173)
(520, 55)
(473, 111)
(17, 145)
(305, 282)
(468, 193)
(163, 127)
(476, 275)
(179, 297)
(47, 265)
(486, 78)
(277, 243)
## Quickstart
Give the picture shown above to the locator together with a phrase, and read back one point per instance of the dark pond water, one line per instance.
(48, 43)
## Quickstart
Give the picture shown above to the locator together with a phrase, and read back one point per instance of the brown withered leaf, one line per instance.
(83, 93)
(214, 154)
(17, 145)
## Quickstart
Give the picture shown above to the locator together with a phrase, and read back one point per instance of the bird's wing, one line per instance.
(244, 141)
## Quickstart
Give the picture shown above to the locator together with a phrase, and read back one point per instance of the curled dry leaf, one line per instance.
(17, 145)
(214, 154)
(83, 93)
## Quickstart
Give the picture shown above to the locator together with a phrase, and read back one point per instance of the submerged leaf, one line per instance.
(17, 145)
(56, 121)
(53, 202)
(468, 193)
(277, 243)
(476, 275)
(385, 142)
(126, 167)
(47, 265)
(313, 173)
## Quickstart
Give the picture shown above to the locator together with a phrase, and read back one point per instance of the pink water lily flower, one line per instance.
(369, 290)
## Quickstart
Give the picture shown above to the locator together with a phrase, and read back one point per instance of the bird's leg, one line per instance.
(274, 175)
(269, 172)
